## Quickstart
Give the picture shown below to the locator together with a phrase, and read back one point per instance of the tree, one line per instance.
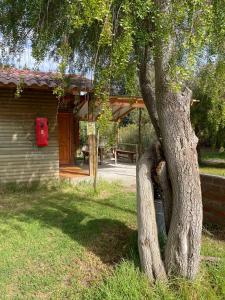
(125, 39)
(208, 116)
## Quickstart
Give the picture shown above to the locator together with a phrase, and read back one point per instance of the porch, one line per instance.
(71, 150)
(123, 172)
(73, 171)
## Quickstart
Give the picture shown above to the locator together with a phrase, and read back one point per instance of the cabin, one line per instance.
(26, 99)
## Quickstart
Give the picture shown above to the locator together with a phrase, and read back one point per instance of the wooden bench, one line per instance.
(129, 154)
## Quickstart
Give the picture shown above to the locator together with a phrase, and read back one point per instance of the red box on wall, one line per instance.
(42, 132)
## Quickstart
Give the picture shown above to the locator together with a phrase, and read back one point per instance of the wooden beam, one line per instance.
(127, 104)
(117, 103)
(116, 111)
(124, 114)
(81, 104)
(125, 98)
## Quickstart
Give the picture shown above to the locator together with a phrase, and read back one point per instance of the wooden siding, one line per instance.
(20, 159)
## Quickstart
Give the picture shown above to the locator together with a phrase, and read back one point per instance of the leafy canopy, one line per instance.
(109, 36)
(209, 114)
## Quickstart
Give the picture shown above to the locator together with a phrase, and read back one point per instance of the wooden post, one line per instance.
(139, 135)
(96, 159)
(76, 134)
(92, 146)
(91, 131)
(117, 140)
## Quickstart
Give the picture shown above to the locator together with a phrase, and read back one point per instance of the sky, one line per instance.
(26, 60)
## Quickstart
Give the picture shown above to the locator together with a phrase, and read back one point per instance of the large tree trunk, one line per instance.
(170, 115)
(182, 253)
(179, 142)
(148, 244)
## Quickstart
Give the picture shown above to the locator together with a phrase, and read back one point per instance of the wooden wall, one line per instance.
(20, 159)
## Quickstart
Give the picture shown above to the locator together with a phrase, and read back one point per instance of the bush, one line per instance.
(129, 135)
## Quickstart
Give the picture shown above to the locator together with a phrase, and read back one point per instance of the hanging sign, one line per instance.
(91, 129)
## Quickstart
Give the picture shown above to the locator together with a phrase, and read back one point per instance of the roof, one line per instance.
(42, 80)
(121, 105)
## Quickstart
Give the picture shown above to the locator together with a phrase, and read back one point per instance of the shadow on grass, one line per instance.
(108, 238)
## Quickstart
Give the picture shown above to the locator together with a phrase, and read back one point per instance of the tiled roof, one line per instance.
(34, 79)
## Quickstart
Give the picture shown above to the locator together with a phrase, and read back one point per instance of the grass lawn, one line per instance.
(210, 154)
(213, 162)
(64, 242)
(206, 169)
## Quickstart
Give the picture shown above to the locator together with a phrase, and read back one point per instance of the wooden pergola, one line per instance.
(121, 106)
(87, 109)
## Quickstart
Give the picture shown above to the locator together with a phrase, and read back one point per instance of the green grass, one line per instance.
(210, 154)
(206, 169)
(213, 162)
(64, 242)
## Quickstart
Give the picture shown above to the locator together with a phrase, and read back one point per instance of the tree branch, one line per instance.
(147, 90)
(151, 261)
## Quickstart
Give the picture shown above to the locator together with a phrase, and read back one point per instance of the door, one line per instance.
(65, 133)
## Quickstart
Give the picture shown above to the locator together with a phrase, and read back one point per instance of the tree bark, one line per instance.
(147, 90)
(182, 253)
(170, 114)
(148, 243)
(166, 193)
